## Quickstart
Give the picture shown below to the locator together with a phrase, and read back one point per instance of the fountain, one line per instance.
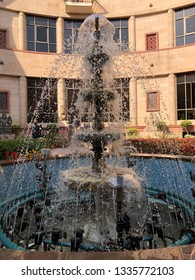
(100, 205)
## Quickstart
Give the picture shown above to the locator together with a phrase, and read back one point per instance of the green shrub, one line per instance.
(132, 132)
(186, 125)
(51, 135)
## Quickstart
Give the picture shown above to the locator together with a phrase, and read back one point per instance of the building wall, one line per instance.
(144, 17)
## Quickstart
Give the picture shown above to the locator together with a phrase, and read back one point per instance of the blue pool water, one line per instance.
(166, 174)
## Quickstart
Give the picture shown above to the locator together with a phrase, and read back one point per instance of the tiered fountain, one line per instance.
(98, 206)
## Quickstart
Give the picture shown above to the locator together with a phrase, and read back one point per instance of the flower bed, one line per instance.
(172, 146)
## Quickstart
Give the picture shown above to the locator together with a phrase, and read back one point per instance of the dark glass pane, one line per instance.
(41, 47)
(125, 47)
(190, 39)
(52, 22)
(190, 25)
(115, 22)
(77, 24)
(179, 27)
(30, 20)
(189, 11)
(117, 83)
(78, 84)
(30, 46)
(190, 77)
(30, 33)
(188, 95)
(193, 95)
(3, 101)
(67, 24)
(30, 82)
(180, 78)
(124, 22)
(41, 34)
(69, 83)
(52, 48)
(52, 35)
(181, 115)
(190, 115)
(125, 83)
(179, 14)
(181, 96)
(68, 48)
(180, 41)
(75, 39)
(41, 21)
(124, 35)
(68, 34)
(116, 35)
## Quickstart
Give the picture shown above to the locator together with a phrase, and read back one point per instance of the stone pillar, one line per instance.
(171, 40)
(60, 35)
(133, 101)
(61, 100)
(172, 99)
(132, 37)
(22, 31)
(22, 101)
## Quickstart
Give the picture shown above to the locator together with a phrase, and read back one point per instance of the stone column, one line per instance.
(133, 101)
(171, 40)
(22, 31)
(22, 101)
(60, 35)
(172, 99)
(132, 37)
(61, 100)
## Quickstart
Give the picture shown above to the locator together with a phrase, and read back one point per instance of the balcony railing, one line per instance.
(84, 7)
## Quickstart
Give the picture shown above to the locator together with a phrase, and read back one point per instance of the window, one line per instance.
(42, 100)
(152, 101)
(122, 87)
(73, 87)
(3, 101)
(186, 96)
(185, 26)
(151, 42)
(121, 33)
(71, 30)
(41, 34)
(3, 38)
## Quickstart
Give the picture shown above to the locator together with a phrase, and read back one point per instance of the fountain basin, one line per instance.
(146, 169)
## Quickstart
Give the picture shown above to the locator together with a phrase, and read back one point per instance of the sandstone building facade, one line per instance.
(156, 67)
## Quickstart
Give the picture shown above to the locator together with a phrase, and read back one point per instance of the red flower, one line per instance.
(15, 155)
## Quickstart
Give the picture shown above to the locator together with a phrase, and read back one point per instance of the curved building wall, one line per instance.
(147, 20)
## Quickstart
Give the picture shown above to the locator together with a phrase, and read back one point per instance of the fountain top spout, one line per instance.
(97, 32)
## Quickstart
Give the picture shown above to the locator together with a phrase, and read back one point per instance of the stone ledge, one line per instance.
(186, 252)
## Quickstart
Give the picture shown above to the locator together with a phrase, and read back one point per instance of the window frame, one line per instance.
(35, 42)
(183, 17)
(38, 85)
(6, 38)
(157, 108)
(157, 41)
(119, 86)
(124, 46)
(7, 101)
(69, 47)
(187, 83)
